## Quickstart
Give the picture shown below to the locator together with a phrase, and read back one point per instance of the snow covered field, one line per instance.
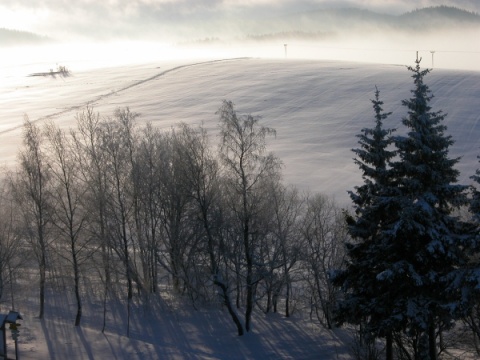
(173, 332)
(317, 108)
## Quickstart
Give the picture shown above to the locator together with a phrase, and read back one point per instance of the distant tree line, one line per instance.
(16, 37)
(289, 35)
(444, 11)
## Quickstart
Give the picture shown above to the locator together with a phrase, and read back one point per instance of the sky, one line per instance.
(65, 19)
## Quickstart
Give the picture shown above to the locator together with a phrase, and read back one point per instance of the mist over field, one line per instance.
(365, 31)
(179, 19)
(173, 33)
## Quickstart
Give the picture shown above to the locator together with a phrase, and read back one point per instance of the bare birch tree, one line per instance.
(69, 216)
(32, 194)
(247, 166)
(286, 244)
(92, 163)
(119, 205)
(203, 178)
(324, 235)
(12, 247)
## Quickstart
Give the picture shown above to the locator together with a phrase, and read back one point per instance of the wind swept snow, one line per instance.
(317, 107)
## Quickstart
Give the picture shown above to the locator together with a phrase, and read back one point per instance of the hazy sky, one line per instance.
(112, 18)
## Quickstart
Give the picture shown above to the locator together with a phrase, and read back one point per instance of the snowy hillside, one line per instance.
(317, 107)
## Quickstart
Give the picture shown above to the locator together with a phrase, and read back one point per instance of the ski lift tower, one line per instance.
(285, 45)
(433, 52)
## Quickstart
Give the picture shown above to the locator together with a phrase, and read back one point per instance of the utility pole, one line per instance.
(285, 45)
(433, 52)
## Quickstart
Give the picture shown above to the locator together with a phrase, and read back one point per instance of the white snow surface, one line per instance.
(317, 108)
(167, 330)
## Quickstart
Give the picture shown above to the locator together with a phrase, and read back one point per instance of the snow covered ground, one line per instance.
(166, 331)
(317, 108)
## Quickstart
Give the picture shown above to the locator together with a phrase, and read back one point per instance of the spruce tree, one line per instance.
(469, 275)
(426, 239)
(403, 270)
(367, 299)
(474, 203)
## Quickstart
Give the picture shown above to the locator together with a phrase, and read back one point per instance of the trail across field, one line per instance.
(317, 107)
(101, 97)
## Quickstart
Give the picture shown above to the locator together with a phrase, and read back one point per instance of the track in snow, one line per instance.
(115, 92)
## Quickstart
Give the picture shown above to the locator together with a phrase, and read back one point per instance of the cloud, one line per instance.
(133, 18)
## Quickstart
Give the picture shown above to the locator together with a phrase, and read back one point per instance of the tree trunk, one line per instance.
(287, 300)
(275, 301)
(42, 286)
(229, 306)
(106, 264)
(77, 290)
(249, 261)
(269, 300)
(249, 304)
(389, 347)
(239, 288)
(105, 298)
(432, 339)
(129, 300)
(78, 317)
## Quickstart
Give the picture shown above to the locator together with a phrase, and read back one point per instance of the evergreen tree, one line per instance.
(410, 245)
(474, 203)
(426, 239)
(367, 298)
(373, 157)
(469, 276)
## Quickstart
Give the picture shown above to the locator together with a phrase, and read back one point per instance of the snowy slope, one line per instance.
(168, 332)
(317, 107)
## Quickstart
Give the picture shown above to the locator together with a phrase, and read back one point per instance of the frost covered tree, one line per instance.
(411, 243)
(69, 216)
(284, 247)
(470, 275)
(89, 141)
(427, 244)
(202, 177)
(118, 137)
(32, 194)
(148, 171)
(179, 239)
(322, 237)
(367, 298)
(12, 256)
(248, 168)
